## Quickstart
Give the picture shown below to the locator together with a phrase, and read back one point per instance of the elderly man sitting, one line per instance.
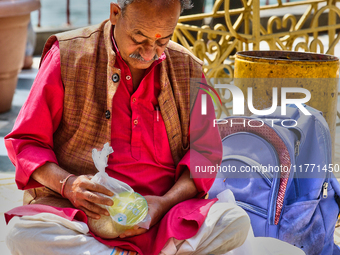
(124, 82)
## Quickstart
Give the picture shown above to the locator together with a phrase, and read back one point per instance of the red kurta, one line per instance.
(141, 158)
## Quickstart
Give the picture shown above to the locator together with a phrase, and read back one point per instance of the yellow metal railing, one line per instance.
(245, 28)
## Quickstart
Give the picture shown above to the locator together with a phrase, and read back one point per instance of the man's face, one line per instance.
(143, 30)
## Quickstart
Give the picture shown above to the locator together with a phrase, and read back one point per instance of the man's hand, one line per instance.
(183, 189)
(80, 190)
(157, 210)
(83, 194)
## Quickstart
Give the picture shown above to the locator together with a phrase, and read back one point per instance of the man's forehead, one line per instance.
(157, 35)
(149, 28)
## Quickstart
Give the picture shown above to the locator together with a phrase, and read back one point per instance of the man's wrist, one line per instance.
(63, 184)
(166, 204)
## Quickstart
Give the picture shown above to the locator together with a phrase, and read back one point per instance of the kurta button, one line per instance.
(128, 77)
(134, 99)
(135, 122)
(107, 114)
(115, 77)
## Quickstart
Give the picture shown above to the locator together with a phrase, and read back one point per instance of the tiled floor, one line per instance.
(10, 197)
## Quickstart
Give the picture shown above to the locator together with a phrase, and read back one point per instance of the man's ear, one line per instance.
(115, 11)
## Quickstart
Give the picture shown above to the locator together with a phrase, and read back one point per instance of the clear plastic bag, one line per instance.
(129, 208)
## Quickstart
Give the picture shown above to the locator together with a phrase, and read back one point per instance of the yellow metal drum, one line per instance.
(318, 73)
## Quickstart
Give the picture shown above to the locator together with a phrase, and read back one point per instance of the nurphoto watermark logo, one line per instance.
(259, 126)
(239, 101)
(238, 104)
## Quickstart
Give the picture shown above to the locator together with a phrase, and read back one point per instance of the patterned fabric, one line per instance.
(118, 251)
(273, 138)
(87, 67)
(85, 78)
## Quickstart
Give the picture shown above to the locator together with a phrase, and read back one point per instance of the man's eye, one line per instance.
(136, 42)
(162, 44)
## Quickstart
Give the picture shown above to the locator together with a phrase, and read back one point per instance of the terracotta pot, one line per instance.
(14, 18)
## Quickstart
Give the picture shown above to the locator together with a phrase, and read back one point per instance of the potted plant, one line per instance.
(14, 19)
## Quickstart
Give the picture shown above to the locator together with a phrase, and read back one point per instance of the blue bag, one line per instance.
(279, 169)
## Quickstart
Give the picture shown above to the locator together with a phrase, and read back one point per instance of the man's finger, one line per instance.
(95, 208)
(97, 198)
(100, 189)
(133, 232)
(90, 214)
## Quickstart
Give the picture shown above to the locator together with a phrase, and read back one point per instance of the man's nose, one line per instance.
(149, 52)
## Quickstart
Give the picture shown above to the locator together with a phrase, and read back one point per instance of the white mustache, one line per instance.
(139, 57)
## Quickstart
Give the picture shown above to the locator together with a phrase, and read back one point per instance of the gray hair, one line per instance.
(185, 4)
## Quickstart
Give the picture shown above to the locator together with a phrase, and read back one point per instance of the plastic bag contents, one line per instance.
(129, 208)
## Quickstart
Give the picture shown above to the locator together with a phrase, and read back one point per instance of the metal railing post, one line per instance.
(39, 18)
(256, 24)
(89, 12)
(68, 12)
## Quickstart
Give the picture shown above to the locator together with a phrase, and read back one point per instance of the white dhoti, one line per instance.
(225, 228)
